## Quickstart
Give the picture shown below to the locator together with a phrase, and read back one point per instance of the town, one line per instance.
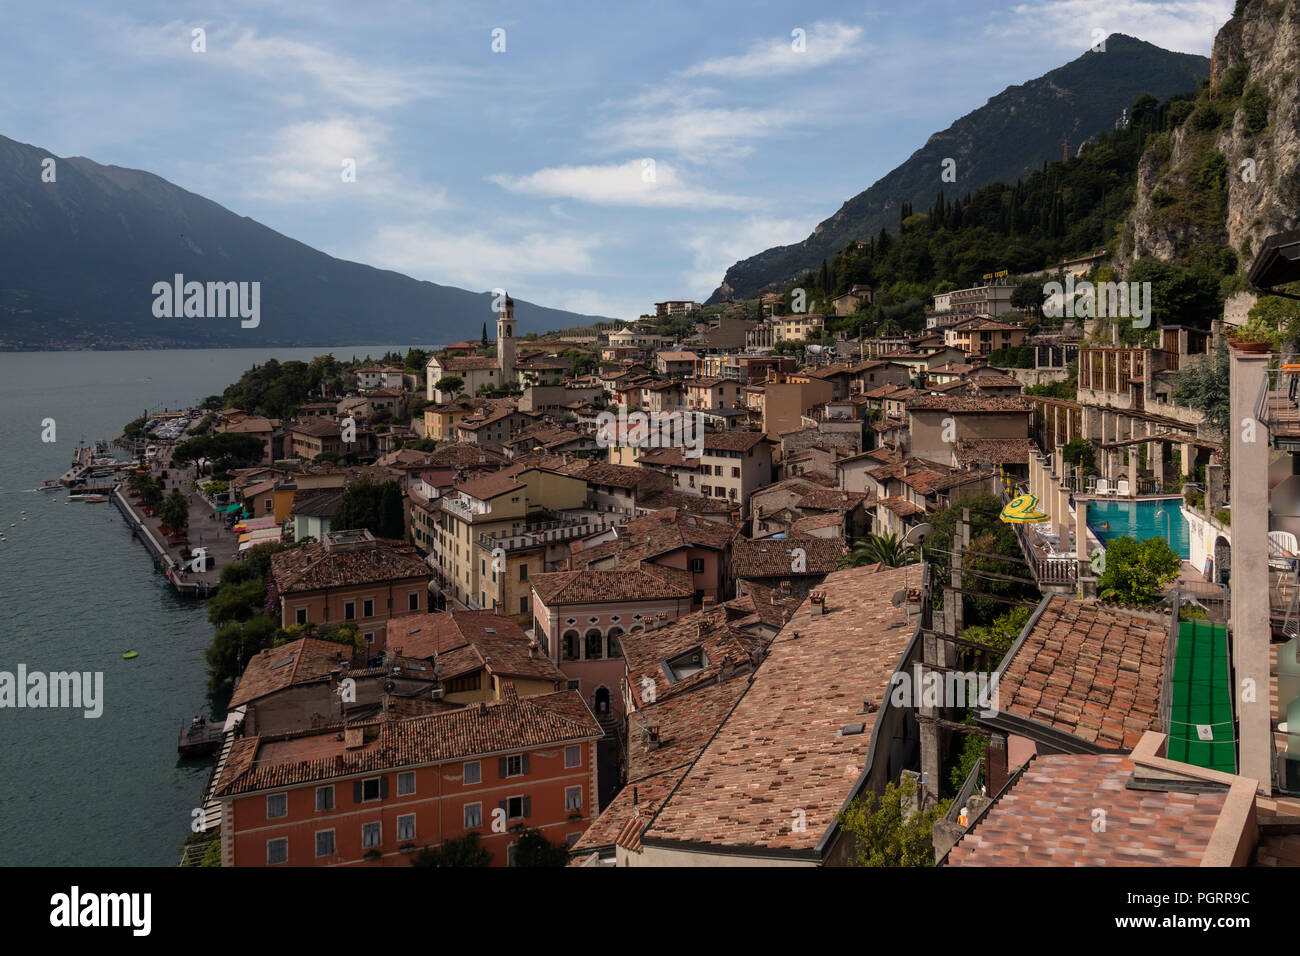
(473, 610)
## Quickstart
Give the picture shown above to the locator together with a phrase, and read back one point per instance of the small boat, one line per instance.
(50, 484)
(130, 654)
(95, 499)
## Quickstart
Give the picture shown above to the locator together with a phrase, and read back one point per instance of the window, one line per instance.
(523, 605)
(406, 783)
(574, 685)
(517, 808)
(705, 490)
(515, 766)
(572, 798)
(523, 572)
(349, 611)
(277, 851)
(697, 565)
(406, 827)
(572, 756)
(371, 835)
(365, 791)
(735, 472)
(277, 805)
(413, 601)
(473, 815)
(595, 645)
(324, 798)
(369, 637)
(368, 607)
(324, 843)
(300, 615)
(473, 772)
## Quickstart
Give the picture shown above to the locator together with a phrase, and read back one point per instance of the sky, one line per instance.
(595, 157)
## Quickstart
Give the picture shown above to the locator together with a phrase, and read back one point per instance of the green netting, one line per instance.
(1201, 695)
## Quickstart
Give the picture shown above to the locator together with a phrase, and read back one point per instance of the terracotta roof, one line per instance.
(774, 557)
(468, 363)
(298, 662)
(493, 485)
(681, 501)
(1089, 671)
(488, 640)
(621, 585)
(321, 503)
(962, 403)
(316, 427)
(508, 725)
(831, 499)
(1046, 818)
(999, 451)
(901, 506)
(781, 746)
(465, 456)
(313, 566)
(645, 653)
(816, 522)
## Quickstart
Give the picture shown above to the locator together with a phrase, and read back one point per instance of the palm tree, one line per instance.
(884, 549)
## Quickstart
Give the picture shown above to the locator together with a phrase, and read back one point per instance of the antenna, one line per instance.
(1065, 149)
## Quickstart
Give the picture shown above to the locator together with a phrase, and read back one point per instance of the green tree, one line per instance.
(461, 851)
(175, 511)
(450, 383)
(233, 646)
(884, 549)
(236, 602)
(888, 835)
(1137, 572)
(225, 450)
(1204, 387)
(533, 849)
(1080, 452)
(391, 512)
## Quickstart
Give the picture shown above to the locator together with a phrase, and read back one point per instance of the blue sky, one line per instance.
(530, 169)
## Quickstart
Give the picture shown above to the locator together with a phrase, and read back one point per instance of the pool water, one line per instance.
(1138, 519)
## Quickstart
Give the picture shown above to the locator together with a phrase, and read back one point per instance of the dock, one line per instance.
(196, 741)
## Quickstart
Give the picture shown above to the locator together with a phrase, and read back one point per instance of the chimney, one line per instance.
(818, 603)
(532, 649)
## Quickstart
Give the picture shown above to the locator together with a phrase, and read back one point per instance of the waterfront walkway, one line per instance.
(206, 530)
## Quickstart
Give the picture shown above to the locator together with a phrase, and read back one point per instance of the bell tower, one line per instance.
(506, 340)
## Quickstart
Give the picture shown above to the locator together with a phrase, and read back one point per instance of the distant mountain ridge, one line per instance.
(1002, 141)
(81, 255)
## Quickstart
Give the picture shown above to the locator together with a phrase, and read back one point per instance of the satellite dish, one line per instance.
(918, 534)
(899, 597)
(389, 687)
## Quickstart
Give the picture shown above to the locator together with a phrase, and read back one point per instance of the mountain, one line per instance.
(1004, 140)
(81, 256)
(1228, 177)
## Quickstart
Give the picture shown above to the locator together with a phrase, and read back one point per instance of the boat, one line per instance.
(95, 499)
(50, 484)
(130, 654)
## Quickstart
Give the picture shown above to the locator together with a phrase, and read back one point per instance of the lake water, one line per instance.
(75, 592)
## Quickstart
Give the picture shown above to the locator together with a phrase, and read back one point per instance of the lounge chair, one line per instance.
(1282, 547)
(1103, 487)
(1090, 485)
(1122, 488)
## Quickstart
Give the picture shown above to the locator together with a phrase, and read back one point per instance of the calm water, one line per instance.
(1138, 519)
(75, 592)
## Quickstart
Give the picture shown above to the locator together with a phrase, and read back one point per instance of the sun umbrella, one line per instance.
(1022, 509)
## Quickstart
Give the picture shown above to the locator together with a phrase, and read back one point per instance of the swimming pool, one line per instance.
(1138, 519)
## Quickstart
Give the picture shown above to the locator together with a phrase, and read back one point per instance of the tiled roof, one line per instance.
(512, 724)
(312, 566)
(316, 504)
(465, 456)
(962, 403)
(316, 427)
(999, 451)
(831, 499)
(781, 747)
(679, 500)
(616, 476)
(298, 662)
(595, 587)
(498, 483)
(468, 363)
(774, 557)
(769, 606)
(1089, 671)
(1047, 819)
(645, 652)
(901, 506)
(816, 522)
(493, 642)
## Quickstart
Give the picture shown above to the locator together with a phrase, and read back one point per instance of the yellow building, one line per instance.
(499, 503)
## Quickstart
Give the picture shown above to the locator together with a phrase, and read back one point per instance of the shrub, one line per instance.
(1254, 106)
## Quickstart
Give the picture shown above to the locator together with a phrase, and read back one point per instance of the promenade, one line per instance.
(206, 530)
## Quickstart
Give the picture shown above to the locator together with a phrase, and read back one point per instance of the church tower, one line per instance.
(506, 340)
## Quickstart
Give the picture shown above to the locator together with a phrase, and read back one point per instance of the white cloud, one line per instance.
(823, 43)
(304, 163)
(1183, 25)
(637, 182)
(452, 255)
(717, 247)
(286, 64)
(698, 134)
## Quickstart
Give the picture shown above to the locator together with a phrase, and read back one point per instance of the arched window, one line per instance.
(595, 645)
(569, 646)
(615, 648)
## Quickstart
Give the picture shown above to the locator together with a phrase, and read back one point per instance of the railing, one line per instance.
(964, 794)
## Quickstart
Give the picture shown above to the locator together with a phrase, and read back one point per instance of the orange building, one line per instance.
(350, 576)
(381, 791)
